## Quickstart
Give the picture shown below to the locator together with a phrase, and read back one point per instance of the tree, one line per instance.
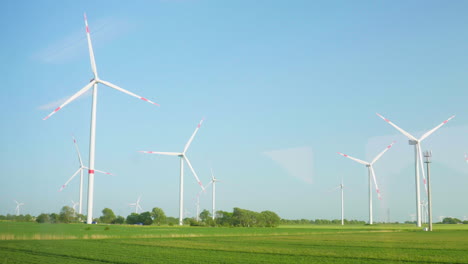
(119, 220)
(132, 218)
(145, 218)
(108, 216)
(450, 220)
(158, 215)
(270, 219)
(205, 215)
(67, 214)
(43, 218)
(224, 218)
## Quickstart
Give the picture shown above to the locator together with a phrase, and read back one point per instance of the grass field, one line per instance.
(79, 243)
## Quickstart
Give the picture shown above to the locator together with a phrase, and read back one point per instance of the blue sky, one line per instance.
(283, 85)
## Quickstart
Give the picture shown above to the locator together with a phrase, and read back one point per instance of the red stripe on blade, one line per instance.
(91, 171)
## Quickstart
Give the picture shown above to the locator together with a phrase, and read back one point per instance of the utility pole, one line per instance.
(428, 155)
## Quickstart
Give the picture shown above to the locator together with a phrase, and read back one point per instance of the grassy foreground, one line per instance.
(79, 243)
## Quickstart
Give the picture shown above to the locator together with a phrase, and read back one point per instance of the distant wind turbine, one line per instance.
(137, 205)
(341, 186)
(183, 156)
(17, 209)
(80, 170)
(371, 173)
(93, 83)
(417, 157)
(213, 181)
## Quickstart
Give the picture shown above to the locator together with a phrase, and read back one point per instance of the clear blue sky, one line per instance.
(293, 80)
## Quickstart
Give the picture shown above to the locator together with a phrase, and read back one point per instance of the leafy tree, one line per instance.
(67, 215)
(43, 218)
(205, 215)
(224, 218)
(270, 219)
(119, 220)
(172, 220)
(450, 220)
(54, 218)
(158, 215)
(132, 219)
(108, 216)
(145, 218)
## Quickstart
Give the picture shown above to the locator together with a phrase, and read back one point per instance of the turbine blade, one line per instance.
(212, 175)
(78, 152)
(375, 183)
(193, 136)
(428, 133)
(125, 91)
(357, 160)
(73, 97)
(381, 153)
(103, 172)
(421, 166)
(71, 178)
(162, 153)
(194, 173)
(466, 158)
(408, 135)
(90, 48)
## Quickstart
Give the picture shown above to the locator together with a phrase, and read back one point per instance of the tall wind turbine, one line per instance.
(17, 209)
(80, 170)
(94, 84)
(417, 157)
(137, 205)
(371, 173)
(183, 156)
(213, 181)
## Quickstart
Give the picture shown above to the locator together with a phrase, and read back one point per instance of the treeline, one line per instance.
(321, 222)
(237, 218)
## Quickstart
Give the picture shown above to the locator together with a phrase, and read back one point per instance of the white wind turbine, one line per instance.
(93, 83)
(183, 156)
(17, 209)
(80, 170)
(74, 205)
(213, 181)
(137, 205)
(371, 173)
(417, 157)
(341, 186)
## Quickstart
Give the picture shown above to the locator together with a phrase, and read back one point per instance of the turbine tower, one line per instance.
(183, 157)
(80, 170)
(371, 173)
(417, 157)
(17, 209)
(92, 140)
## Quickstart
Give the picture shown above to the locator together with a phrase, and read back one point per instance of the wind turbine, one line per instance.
(417, 157)
(80, 170)
(137, 205)
(213, 181)
(183, 156)
(93, 83)
(371, 173)
(341, 186)
(74, 205)
(17, 209)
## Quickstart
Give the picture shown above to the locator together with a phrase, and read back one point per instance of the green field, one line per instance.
(79, 243)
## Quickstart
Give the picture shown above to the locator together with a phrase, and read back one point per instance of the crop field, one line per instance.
(79, 243)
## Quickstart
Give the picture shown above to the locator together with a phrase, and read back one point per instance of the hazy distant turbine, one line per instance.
(93, 83)
(370, 173)
(17, 209)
